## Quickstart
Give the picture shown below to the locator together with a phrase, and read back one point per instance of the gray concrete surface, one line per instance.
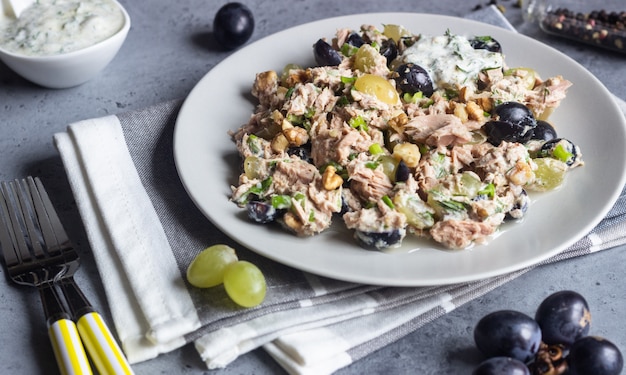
(168, 50)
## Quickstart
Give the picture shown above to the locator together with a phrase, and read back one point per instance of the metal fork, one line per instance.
(96, 336)
(28, 264)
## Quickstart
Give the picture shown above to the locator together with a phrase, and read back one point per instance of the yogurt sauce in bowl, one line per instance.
(52, 27)
(63, 43)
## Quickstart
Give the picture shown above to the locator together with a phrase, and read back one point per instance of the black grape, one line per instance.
(508, 333)
(261, 212)
(564, 317)
(594, 355)
(325, 55)
(501, 366)
(544, 131)
(413, 78)
(233, 25)
(379, 240)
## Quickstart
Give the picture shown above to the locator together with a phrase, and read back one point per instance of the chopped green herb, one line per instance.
(388, 202)
(441, 168)
(452, 205)
(450, 93)
(372, 164)
(485, 38)
(375, 149)
(253, 144)
(438, 157)
(343, 101)
(358, 123)
(309, 113)
(258, 190)
(412, 98)
(428, 103)
(300, 198)
(348, 49)
(295, 119)
(489, 190)
(561, 153)
(265, 184)
(281, 201)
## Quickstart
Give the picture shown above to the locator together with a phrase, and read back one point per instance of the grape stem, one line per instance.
(549, 361)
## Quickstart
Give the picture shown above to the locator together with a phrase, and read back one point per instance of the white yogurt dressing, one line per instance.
(51, 27)
(451, 61)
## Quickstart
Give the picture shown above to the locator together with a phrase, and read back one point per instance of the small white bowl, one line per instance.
(68, 69)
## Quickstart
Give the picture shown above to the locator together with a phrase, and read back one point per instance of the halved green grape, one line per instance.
(377, 86)
(395, 32)
(207, 268)
(549, 175)
(468, 185)
(418, 213)
(252, 167)
(365, 58)
(245, 284)
(389, 164)
(526, 75)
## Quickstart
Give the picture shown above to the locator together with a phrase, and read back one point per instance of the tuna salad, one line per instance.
(399, 134)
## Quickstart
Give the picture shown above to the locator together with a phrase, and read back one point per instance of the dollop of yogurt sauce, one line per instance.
(451, 60)
(52, 27)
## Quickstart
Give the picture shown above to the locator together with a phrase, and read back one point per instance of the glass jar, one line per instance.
(575, 20)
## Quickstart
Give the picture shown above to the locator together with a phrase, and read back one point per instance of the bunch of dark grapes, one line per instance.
(554, 342)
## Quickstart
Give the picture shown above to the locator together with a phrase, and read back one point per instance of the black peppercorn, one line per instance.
(598, 27)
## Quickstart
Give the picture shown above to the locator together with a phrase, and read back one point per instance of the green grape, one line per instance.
(365, 58)
(252, 167)
(245, 284)
(395, 32)
(390, 164)
(527, 75)
(549, 175)
(418, 213)
(377, 86)
(207, 268)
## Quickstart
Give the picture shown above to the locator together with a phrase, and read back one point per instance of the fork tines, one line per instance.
(28, 225)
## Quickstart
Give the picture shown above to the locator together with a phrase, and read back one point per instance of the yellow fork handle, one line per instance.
(68, 349)
(101, 345)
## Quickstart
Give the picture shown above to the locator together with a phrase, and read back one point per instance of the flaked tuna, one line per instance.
(438, 130)
(459, 234)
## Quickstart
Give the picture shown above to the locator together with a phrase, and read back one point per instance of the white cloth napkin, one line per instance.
(144, 230)
(129, 245)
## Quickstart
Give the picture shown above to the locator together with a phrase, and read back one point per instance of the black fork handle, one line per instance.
(68, 349)
(96, 335)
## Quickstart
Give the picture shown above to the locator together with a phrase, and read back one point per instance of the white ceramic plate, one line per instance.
(208, 163)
